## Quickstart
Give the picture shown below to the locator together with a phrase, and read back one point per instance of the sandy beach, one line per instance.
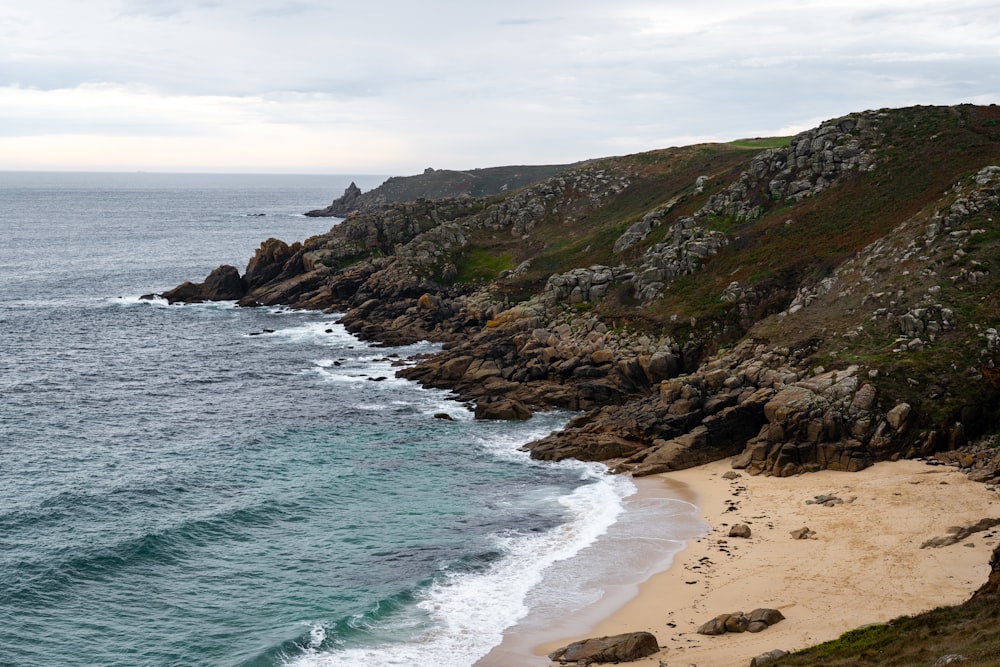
(864, 564)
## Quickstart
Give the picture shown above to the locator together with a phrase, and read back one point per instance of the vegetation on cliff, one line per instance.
(822, 301)
(825, 302)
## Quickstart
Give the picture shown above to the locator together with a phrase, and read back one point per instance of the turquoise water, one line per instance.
(178, 487)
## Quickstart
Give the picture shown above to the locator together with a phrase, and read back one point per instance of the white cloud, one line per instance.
(340, 86)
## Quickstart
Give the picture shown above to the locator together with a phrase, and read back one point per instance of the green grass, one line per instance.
(479, 265)
(971, 630)
(761, 143)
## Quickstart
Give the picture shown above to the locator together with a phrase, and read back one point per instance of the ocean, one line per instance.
(209, 485)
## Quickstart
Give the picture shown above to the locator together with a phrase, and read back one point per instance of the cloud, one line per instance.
(474, 84)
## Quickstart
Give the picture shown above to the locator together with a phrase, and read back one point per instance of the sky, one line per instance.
(395, 86)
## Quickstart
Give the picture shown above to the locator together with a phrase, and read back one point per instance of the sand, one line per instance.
(864, 564)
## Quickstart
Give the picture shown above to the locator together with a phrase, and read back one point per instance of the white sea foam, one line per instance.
(465, 614)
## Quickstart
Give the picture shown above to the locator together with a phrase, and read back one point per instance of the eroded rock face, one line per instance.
(342, 206)
(992, 585)
(222, 284)
(618, 648)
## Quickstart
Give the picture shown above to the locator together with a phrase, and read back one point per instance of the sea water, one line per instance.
(210, 485)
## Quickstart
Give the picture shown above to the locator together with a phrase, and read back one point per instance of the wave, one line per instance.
(463, 612)
(74, 562)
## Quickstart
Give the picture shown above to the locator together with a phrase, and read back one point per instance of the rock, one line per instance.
(730, 474)
(802, 533)
(768, 616)
(755, 621)
(739, 530)
(583, 446)
(737, 623)
(716, 626)
(618, 648)
(342, 206)
(992, 585)
(502, 408)
(951, 659)
(267, 263)
(897, 416)
(443, 415)
(768, 658)
(222, 284)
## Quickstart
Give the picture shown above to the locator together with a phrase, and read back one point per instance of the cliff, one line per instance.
(825, 301)
(437, 184)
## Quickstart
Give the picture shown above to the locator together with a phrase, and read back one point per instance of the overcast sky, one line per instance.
(391, 86)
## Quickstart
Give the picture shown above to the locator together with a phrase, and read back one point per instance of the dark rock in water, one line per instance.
(581, 445)
(502, 408)
(147, 297)
(222, 284)
(443, 415)
(341, 206)
(618, 648)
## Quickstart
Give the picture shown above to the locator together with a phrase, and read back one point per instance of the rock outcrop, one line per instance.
(756, 621)
(561, 295)
(618, 648)
(342, 206)
(222, 284)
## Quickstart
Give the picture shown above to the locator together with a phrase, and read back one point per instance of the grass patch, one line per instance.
(761, 143)
(971, 630)
(479, 265)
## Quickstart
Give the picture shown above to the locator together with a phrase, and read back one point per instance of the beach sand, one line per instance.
(864, 564)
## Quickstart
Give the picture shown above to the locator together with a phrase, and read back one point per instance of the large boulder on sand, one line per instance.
(618, 648)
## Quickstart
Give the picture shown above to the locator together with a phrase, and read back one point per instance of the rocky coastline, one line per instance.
(653, 400)
(824, 305)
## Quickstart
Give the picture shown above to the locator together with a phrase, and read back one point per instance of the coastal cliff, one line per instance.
(436, 184)
(823, 301)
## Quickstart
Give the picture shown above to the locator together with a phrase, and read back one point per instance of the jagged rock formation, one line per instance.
(436, 184)
(342, 206)
(825, 304)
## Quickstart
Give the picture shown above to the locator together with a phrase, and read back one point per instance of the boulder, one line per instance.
(739, 530)
(583, 446)
(502, 408)
(755, 621)
(767, 616)
(768, 658)
(617, 648)
(897, 416)
(222, 284)
(716, 626)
